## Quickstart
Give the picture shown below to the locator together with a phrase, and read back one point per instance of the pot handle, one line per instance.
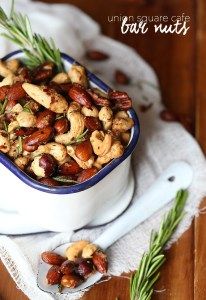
(178, 176)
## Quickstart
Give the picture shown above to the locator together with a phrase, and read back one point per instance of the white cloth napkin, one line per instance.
(160, 144)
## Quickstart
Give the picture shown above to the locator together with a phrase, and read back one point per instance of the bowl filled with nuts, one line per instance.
(66, 141)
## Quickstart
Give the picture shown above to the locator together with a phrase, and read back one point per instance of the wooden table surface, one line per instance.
(180, 62)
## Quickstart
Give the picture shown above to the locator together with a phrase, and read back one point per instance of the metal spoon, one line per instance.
(178, 176)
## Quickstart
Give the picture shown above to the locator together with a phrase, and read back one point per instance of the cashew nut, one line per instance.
(89, 250)
(48, 98)
(14, 149)
(13, 65)
(21, 162)
(9, 80)
(83, 164)
(58, 151)
(76, 128)
(74, 106)
(125, 136)
(116, 151)
(75, 250)
(78, 75)
(90, 112)
(26, 119)
(105, 115)
(61, 78)
(4, 142)
(4, 70)
(35, 167)
(12, 126)
(122, 122)
(101, 142)
(17, 109)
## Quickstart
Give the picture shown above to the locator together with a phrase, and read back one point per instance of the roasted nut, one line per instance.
(78, 94)
(61, 78)
(89, 250)
(84, 150)
(14, 149)
(101, 142)
(12, 126)
(45, 118)
(37, 138)
(75, 250)
(92, 123)
(4, 70)
(84, 267)
(21, 162)
(23, 131)
(122, 122)
(43, 72)
(121, 77)
(61, 126)
(96, 55)
(49, 181)
(125, 137)
(26, 119)
(44, 165)
(16, 92)
(69, 168)
(99, 259)
(9, 80)
(78, 75)
(67, 267)
(168, 116)
(58, 151)
(83, 164)
(97, 98)
(121, 100)
(52, 258)
(106, 115)
(47, 97)
(71, 281)
(87, 174)
(116, 151)
(13, 65)
(4, 142)
(76, 128)
(3, 92)
(24, 75)
(54, 275)
(90, 112)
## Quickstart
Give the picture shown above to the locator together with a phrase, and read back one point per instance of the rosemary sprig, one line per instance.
(3, 106)
(142, 282)
(36, 48)
(20, 146)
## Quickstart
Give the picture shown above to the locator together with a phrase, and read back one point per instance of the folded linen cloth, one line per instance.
(160, 144)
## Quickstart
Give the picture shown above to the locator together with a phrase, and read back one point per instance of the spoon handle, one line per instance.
(178, 176)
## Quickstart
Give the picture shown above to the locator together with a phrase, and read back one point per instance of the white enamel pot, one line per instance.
(28, 206)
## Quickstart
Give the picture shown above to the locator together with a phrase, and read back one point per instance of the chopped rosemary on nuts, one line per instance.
(143, 280)
(4, 106)
(79, 138)
(20, 146)
(64, 179)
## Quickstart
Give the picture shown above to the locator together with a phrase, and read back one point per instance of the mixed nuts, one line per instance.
(55, 126)
(82, 259)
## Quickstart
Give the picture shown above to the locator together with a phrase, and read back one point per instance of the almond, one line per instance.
(99, 260)
(37, 138)
(61, 126)
(52, 258)
(67, 267)
(43, 72)
(71, 281)
(16, 92)
(86, 174)
(92, 123)
(69, 168)
(121, 100)
(3, 92)
(84, 150)
(54, 275)
(78, 94)
(45, 118)
(96, 55)
(24, 131)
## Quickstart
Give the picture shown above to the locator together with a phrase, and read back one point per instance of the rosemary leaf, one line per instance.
(64, 179)
(143, 280)
(4, 106)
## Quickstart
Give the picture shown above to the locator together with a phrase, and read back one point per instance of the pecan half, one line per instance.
(98, 99)
(121, 100)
